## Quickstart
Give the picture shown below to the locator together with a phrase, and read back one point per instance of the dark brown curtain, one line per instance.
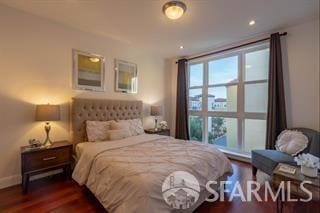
(182, 102)
(276, 116)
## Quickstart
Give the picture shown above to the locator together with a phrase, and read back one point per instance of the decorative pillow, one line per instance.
(134, 126)
(117, 125)
(118, 134)
(97, 130)
(291, 142)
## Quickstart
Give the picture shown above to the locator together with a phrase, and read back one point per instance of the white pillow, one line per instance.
(97, 130)
(134, 126)
(118, 134)
(291, 142)
(117, 125)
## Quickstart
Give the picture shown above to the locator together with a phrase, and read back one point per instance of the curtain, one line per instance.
(182, 102)
(276, 116)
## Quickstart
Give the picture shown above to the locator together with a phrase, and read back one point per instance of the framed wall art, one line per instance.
(126, 76)
(88, 71)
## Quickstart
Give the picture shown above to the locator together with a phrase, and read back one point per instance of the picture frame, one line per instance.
(88, 71)
(126, 76)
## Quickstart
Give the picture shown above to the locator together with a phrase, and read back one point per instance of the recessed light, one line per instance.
(252, 22)
(181, 47)
(174, 9)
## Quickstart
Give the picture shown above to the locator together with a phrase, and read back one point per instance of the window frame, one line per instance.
(240, 113)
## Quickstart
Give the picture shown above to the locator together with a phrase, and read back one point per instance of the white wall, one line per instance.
(36, 68)
(301, 75)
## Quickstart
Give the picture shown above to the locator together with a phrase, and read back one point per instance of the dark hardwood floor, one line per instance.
(54, 194)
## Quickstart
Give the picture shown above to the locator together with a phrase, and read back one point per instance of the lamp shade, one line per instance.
(156, 110)
(47, 112)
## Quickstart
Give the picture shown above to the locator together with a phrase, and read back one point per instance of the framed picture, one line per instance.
(88, 71)
(126, 77)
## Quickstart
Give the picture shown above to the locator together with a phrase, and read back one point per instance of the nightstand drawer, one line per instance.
(46, 158)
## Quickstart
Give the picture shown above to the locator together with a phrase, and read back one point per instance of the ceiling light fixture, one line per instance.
(252, 22)
(181, 47)
(174, 9)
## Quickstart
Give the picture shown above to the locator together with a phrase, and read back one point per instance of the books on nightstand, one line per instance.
(287, 169)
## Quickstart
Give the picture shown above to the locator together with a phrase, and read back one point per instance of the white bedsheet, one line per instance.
(127, 175)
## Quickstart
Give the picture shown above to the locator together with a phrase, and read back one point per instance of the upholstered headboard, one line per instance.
(100, 110)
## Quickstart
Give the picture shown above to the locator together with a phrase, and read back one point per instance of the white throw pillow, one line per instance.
(97, 130)
(291, 142)
(118, 134)
(134, 126)
(117, 125)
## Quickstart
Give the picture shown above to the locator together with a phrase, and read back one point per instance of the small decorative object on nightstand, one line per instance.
(156, 111)
(47, 113)
(284, 173)
(35, 161)
(158, 131)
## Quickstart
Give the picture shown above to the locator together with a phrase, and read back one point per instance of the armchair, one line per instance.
(267, 160)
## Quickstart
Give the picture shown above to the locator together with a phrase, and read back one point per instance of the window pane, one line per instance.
(195, 99)
(222, 98)
(195, 128)
(196, 75)
(257, 65)
(254, 135)
(223, 132)
(256, 97)
(223, 70)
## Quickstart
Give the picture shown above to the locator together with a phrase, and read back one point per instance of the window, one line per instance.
(228, 97)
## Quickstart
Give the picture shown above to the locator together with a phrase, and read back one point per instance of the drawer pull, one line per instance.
(50, 158)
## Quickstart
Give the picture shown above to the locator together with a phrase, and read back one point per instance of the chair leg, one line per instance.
(254, 171)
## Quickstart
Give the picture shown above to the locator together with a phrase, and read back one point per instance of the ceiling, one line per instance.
(205, 25)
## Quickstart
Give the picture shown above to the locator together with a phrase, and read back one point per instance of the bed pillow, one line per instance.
(118, 125)
(118, 134)
(97, 130)
(134, 126)
(291, 142)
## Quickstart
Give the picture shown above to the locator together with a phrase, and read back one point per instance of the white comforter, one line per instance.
(127, 175)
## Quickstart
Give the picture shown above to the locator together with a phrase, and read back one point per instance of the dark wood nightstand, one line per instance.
(158, 132)
(35, 161)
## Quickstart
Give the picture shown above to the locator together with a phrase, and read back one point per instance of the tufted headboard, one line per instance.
(100, 110)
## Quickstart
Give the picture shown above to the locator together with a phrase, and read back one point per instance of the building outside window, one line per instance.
(228, 99)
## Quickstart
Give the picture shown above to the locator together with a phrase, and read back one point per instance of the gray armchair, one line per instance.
(267, 160)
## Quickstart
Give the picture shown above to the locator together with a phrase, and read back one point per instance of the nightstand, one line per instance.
(295, 180)
(35, 161)
(158, 132)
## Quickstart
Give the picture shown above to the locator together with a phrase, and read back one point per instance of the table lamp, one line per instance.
(156, 111)
(47, 113)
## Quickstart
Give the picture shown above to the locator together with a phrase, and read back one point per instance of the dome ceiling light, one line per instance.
(174, 9)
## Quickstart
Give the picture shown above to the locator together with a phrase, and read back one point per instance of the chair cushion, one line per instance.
(267, 160)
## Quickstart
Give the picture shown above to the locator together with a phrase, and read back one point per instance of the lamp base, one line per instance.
(47, 142)
(156, 124)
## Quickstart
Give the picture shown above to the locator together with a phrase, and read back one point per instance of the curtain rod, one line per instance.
(231, 48)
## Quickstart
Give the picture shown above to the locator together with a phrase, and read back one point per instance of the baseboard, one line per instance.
(10, 181)
(16, 179)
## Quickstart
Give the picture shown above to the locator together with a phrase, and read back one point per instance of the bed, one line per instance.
(127, 175)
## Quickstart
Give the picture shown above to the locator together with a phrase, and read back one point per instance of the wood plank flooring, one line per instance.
(54, 194)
